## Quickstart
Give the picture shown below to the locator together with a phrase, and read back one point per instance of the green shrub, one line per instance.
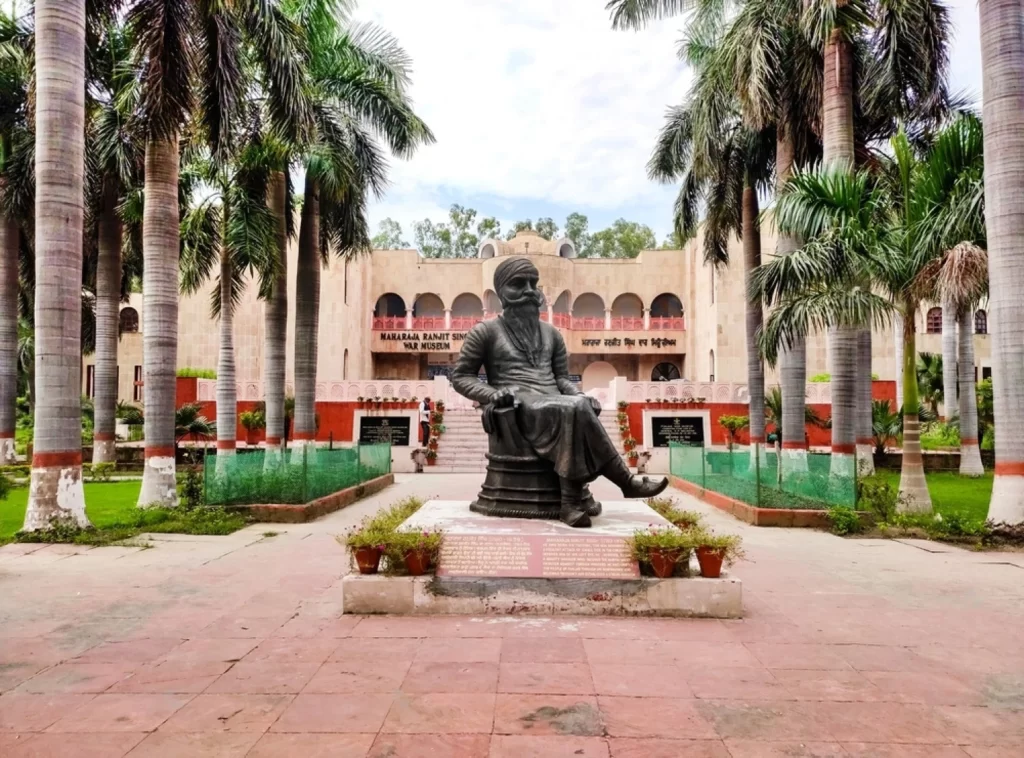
(878, 497)
(100, 471)
(192, 491)
(988, 440)
(940, 435)
(196, 373)
(843, 519)
(644, 541)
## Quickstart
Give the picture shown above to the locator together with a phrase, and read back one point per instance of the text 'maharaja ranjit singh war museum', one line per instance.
(392, 314)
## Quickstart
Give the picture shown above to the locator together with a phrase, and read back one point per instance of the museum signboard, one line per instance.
(418, 341)
(394, 430)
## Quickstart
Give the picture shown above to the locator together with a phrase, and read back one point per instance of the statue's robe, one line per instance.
(556, 419)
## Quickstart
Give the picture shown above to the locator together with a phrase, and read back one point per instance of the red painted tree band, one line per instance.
(226, 444)
(865, 441)
(273, 440)
(969, 441)
(160, 452)
(302, 436)
(53, 460)
(794, 445)
(757, 440)
(101, 437)
(1010, 468)
(844, 449)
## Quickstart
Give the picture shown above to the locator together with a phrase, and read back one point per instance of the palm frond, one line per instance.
(636, 14)
(200, 244)
(163, 30)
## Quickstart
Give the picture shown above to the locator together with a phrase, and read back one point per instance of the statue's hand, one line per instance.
(596, 405)
(504, 398)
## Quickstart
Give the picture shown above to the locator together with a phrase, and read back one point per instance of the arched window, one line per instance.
(389, 305)
(665, 372)
(128, 321)
(666, 305)
(487, 251)
(566, 251)
(492, 303)
(933, 321)
(428, 304)
(588, 305)
(980, 322)
(467, 305)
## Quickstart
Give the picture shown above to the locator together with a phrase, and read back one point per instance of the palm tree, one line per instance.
(190, 422)
(179, 44)
(231, 230)
(56, 492)
(930, 380)
(775, 413)
(15, 71)
(115, 170)
(358, 76)
(1002, 59)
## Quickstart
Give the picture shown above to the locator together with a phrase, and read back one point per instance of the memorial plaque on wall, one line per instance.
(390, 429)
(686, 430)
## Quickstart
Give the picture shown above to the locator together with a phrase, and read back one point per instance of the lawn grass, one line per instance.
(111, 507)
(953, 494)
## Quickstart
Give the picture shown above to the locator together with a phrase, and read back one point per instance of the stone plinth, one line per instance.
(496, 566)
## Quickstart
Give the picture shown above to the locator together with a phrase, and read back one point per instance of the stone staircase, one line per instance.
(462, 446)
(464, 443)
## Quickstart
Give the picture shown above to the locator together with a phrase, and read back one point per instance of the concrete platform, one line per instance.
(528, 566)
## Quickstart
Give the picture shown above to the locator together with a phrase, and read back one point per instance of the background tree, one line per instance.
(623, 239)
(389, 236)
(453, 239)
(576, 229)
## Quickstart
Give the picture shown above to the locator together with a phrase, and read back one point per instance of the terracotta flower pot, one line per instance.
(250, 436)
(663, 561)
(684, 524)
(417, 562)
(431, 461)
(368, 559)
(710, 562)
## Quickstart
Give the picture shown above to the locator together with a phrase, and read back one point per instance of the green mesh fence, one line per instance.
(296, 477)
(756, 480)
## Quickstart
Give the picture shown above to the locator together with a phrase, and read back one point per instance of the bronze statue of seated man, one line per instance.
(527, 369)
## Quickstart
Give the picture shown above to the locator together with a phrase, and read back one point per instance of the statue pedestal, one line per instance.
(508, 565)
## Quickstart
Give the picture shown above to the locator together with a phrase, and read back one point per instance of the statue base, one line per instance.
(524, 487)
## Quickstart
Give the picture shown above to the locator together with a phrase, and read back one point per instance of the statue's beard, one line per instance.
(522, 319)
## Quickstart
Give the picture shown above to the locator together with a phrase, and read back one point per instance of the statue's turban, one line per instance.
(511, 268)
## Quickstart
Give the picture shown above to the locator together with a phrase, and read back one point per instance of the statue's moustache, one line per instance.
(534, 299)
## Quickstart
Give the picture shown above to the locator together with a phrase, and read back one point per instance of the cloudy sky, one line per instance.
(541, 109)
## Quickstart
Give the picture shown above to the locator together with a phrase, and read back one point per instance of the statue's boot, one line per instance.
(633, 486)
(573, 512)
(590, 505)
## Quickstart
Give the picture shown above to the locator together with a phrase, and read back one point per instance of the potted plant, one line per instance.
(622, 417)
(623, 405)
(700, 401)
(377, 402)
(367, 542)
(684, 519)
(431, 456)
(439, 405)
(360, 401)
(629, 443)
(634, 457)
(412, 403)
(715, 549)
(252, 422)
(661, 548)
(432, 443)
(419, 551)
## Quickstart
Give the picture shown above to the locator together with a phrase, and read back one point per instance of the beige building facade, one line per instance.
(394, 315)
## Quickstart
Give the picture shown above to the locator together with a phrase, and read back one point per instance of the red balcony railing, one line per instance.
(429, 323)
(666, 323)
(388, 323)
(588, 323)
(561, 320)
(465, 323)
(627, 323)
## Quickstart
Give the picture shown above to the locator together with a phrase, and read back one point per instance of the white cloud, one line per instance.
(539, 107)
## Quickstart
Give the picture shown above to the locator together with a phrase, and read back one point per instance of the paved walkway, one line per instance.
(234, 646)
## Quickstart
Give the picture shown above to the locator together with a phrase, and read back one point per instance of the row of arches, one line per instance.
(933, 321)
(586, 305)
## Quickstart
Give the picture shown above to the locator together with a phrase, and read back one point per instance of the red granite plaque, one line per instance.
(536, 556)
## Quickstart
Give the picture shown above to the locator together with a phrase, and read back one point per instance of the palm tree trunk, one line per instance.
(10, 241)
(276, 314)
(913, 495)
(108, 299)
(307, 315)
(865, 434)
(160, 243)
(754, 318)
(949, 352)
(970, 452)
(1002, 58)
(898, 340)
(792, 361)
(227, 403)
(56, 489)
(844, 400)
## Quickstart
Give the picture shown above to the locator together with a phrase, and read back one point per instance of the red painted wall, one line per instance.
(186, 390)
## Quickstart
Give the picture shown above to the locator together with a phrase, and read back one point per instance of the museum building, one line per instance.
(394, 315)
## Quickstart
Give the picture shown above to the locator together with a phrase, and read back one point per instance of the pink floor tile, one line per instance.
(201, 650)
(196, 745)
(273, 745)
(993, 751)
(130, 651)
(744, 749)
(173, 676)
(763, 720)
(927, 688)
(883, 658)
(82, 746)
(33, 713)
(640, 681)
(251, 627)
(515, 746)
(430, 746)
(882, 722)
(441, 713)
(575, 715)
(644, 652)
(797, 656)
(869, 750)
(362, 647)
(283, 648)
(359, 675)
(735, 684)
(554, 650)
(228, 713)
(711, 654)
(654, 717)
(460, 649)
(425, 676)
(266, 676)
(983, 726)
(121, 713)
(845, 685)
(335, 713)
(549, 678)
(78, 678)
(661, 748)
